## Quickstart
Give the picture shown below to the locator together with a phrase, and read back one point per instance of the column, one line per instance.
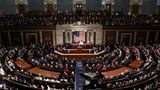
(86, 37)
(104, 37)
(22, 38)
(53, 38)
(158, 7)
(0, 39)
(63, 37)
(108, 8)
(135, 37)
(147, 36)
(117, 35)
(94, 38)
(72, 36)
(156, 37)
(135, 6)
(9, 37)
(40, 32)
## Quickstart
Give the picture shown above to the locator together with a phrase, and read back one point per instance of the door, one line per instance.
(126, 38)
(22, 8)
(31, 38)
(135, 9)
(50, 8)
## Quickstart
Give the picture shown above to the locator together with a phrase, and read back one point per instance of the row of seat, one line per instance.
(87, 17)
(125, 67)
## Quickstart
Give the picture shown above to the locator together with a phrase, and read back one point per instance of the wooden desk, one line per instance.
(79, 56)
(45, 73)
(117, 72)
(135, 64)
(24, 65)
(76, 46)
(74, 51)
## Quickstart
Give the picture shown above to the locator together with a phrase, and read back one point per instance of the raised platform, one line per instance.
(74, 48)
(77, 46)
(78, 52)
(79, 56)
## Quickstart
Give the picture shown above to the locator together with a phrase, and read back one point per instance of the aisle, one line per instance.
(79, 80)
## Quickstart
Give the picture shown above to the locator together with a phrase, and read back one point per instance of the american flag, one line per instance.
(79, 36)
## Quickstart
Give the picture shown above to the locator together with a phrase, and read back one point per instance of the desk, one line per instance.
(45, 73)
(74, 51)
(23, 64)
(135, 64)
(76, 46)
(79, 56)
(117, 72)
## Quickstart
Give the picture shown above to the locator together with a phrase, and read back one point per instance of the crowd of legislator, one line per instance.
(147, 71)
(39, 18)
(146, 76)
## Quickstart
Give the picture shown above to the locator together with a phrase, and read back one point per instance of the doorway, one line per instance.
(31, 38)
(126, 38)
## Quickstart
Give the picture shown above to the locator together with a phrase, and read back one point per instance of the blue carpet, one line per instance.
(79, 80)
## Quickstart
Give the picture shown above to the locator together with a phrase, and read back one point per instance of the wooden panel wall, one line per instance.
(4, 38)
(50, 8)
(135, 9)
(126, 32)
(27, 33)
(152, 37)
(22, 8)
(158, 39)
(15, 38)
(141, 37)
(47, 36)
(110, 36)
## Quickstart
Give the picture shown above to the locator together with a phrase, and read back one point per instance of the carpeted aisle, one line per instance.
(79, 80)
